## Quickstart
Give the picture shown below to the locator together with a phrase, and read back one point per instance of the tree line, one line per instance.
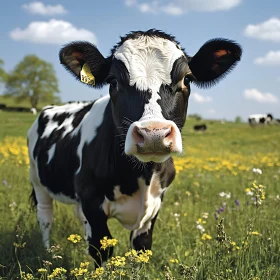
(33, 80)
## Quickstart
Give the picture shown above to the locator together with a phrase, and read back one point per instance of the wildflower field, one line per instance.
(220, 218)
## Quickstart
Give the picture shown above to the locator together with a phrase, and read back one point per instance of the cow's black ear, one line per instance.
(214, 60)
(84, 58)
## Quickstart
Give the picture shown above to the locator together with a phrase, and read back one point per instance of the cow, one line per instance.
(200, 127)
(260, 119)
(112, 157)
(33, 111)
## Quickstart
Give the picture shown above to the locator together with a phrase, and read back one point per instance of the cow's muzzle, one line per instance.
(153, 140)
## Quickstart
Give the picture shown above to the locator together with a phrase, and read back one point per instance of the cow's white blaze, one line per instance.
(149, 62)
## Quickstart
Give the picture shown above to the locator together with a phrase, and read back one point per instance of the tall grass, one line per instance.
(211, 225)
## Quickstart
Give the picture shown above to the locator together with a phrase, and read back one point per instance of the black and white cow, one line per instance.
(200, 127)
(112, 157)
(260, 119)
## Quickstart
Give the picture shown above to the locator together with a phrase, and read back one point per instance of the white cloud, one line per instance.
(52, 32)
(255, 95)
(271, 58)
(198, 98)
(42, 9)
(209, 5)
(268, 30)
(148, 8)
(211, 111)
(172, 9)
(179, 7)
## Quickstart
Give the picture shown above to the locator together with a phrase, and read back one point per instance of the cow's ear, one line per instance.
(214, 60)
(85, 62)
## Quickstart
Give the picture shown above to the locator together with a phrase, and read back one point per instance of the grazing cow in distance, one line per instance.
(112, 157)
(200, 127)
(33, 111)
(260, 119)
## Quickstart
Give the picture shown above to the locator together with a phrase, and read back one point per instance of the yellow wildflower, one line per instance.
(59, 271)
(98, 272)
(105, 242)
(144, 256)
(82, 270)
(42, 270)
(19, 245)
(174, 261)
(206, 236)
(116, 261)
(255, 233)
(74, 238)
(26, 276)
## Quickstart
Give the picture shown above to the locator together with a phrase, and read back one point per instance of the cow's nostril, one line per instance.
(168, 132)
(138, 135)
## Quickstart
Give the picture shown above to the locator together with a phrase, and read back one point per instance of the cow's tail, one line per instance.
(32, 199)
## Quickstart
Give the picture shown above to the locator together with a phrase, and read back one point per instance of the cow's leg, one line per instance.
(44, 212)
(79, 213)
(142, 238)
(98, 229)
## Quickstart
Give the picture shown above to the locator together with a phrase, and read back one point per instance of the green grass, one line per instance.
(195, 191)
(10, 102)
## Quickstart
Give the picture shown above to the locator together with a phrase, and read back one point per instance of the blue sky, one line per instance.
(42, 27)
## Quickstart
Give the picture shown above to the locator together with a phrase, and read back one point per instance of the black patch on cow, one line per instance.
(262, 120)
(60, 117)
(80, 114)
(174, 105)
(179, 70)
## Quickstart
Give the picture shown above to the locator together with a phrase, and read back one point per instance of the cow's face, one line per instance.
(149, 76)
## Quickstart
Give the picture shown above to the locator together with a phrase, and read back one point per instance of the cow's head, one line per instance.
(149, 76)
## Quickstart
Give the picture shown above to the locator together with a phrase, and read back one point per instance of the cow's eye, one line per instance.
(187, 80)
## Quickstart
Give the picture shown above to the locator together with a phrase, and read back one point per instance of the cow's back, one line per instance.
(53, 142)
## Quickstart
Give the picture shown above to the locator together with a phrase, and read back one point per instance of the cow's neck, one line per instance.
(109, 150)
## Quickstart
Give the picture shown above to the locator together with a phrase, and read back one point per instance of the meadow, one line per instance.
(220, 218)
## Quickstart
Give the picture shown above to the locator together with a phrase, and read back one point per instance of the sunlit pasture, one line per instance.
(220, 218)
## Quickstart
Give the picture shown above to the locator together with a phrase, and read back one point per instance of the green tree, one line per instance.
(3, 74)
(33, 79)
(238, 119)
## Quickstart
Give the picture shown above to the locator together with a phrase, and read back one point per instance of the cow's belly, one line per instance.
(133, 212)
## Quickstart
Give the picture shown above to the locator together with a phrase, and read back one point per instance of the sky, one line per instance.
(43, 27)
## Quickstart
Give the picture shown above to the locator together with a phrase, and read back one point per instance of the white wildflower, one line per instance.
(226, 195)
(200, 227)
(257, 171)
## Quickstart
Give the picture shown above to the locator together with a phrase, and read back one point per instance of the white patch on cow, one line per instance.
(257, 117)
(91, 121)
(70, 108)
(149, 61)
(44, 206)
(51, 153)
(79, 213)
(136, 211)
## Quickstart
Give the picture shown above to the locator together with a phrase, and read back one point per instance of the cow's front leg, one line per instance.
(142, 238)
(98, 230)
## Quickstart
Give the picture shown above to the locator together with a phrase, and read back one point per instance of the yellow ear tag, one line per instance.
(86, 75)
